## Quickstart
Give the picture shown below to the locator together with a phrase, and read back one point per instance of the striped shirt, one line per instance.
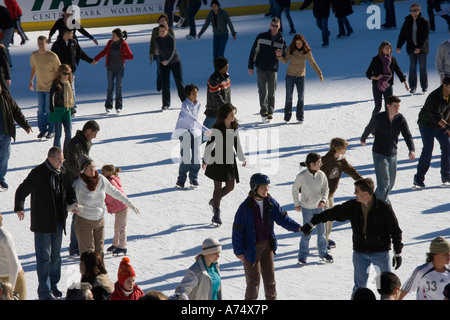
(428, 283)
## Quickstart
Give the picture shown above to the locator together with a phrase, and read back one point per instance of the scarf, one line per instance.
(91, 182)
(383, 83)
(55, 181)
(68, 95)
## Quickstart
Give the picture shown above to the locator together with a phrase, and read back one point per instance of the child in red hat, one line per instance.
(125, 288)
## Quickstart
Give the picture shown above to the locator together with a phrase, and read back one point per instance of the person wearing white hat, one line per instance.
(429, 279)
(202, 280)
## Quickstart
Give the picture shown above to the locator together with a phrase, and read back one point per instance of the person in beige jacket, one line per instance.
(297, 54)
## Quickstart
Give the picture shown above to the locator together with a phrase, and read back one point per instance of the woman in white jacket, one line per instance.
(91, 189)
(312, 183)
(202, 280)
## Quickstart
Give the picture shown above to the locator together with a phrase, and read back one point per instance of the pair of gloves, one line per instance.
(396, 260)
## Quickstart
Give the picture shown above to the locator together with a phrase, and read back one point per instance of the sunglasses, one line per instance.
(66, 73)
(275, 25)
(413, 10)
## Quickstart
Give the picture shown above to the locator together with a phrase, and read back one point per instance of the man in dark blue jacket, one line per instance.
(263, 56)
(387, 127)
(254, 240)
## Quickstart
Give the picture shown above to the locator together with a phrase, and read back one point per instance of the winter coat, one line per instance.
(46, 208)
(223, 168)
(125, 52)
(5, 72)
(219, 23)
(244, 236)
(6, 22)
(387, 132)
(376, 68)
(77, 146)
(71, 53)
(11, 113)
(13, 8)
(9, 261)
(313, 187)
(443, 59)
(297, 63)
(118, 293)
(422, 37)
(436, 108)
(113, 205)
(197, 283)
(333, 169)
(61, 26)
(218, 94)
(102, 287)
(262, 54)
(382, 225)
(342, 8)
(188, 120)
(167, 49)
(321, 9)
(155, 34)
(93, 202)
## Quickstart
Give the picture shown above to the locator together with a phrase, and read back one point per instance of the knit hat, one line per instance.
(439, 245)
(211, 245)
(83, 162)
(125, 271)
(219, 63)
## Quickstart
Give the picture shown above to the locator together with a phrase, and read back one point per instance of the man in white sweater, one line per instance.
(443, 59)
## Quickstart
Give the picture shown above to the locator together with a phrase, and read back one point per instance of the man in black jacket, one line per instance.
(69, 52)
(387, 127)
(374, 226)
(219, 91)
(415, 32)
(434, 122)
(263, 56)
(9, 114)
(50, 201)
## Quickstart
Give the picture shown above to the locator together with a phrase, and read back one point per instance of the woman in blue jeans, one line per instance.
(61, 104)
(116, 52)
(312, 183)
(297, 54)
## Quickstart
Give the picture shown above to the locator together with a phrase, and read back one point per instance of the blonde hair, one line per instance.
(109, 168)
(338, 143)
(6, 290)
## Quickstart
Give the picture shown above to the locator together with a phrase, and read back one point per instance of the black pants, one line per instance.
(165, 82)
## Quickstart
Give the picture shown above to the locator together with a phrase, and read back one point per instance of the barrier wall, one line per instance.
(41, 14)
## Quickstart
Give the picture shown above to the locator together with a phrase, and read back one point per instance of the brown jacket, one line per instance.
(333, 169)
(11, 113)
(297, 64)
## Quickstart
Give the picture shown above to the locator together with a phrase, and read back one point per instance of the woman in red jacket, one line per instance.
(16, 13)
(116, 52)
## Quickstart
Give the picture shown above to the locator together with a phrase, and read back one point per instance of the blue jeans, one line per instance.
(299, 82)
(428, 136)
(412, 77)
(344, 24)
(58, 133)
(192, 11)
(219, 44)
(43, 113)
(73, 245)
(362, 262)
(190, 157)
(5, 153)
(385, 172)
(48, 260)
(322, 24)
(321, 237)
(287, 12)
(390, 13)
(116, 75)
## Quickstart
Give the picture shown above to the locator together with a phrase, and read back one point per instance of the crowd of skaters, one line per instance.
(257, 259)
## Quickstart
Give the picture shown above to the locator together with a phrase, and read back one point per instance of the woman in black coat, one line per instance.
(381, 72)
(220, 158)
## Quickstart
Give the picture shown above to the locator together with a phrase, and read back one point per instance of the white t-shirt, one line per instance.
(428, 283)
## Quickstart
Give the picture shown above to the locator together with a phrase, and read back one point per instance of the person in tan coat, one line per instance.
(296, 55)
